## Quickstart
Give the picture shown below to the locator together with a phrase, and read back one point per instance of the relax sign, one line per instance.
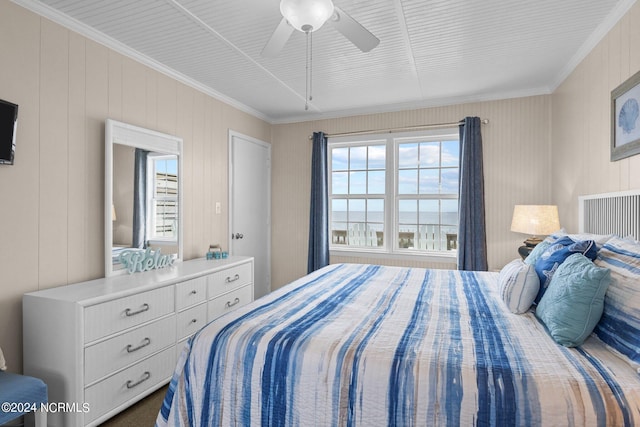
(137, 260)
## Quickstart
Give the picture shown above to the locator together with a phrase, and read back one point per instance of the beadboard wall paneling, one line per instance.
(516, 145)
(53, 196)
(581, 128)
(19, 184)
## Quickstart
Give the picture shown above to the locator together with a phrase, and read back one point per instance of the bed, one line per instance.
(368, 345)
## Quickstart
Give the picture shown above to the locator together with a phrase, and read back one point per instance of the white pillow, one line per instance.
(519, 285)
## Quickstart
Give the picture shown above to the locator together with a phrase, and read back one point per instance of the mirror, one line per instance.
(143, 193)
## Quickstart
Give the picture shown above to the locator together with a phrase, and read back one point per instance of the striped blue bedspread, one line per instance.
(366, 345)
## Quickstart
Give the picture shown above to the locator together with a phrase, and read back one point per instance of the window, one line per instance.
(395, 194)
(162, 197)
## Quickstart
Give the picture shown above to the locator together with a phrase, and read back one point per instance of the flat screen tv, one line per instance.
(8, 127)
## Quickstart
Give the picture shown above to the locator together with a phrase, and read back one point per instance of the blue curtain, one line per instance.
(319, 212)
(472, 235)
(140, 199)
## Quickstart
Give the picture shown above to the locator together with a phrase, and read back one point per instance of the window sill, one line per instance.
(445, 257)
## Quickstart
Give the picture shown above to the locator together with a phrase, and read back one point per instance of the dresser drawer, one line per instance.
(230, 278)
(230, 301)
(191, 292)
(123, 386)
(191, 320)
(113, 316)
(115, 353)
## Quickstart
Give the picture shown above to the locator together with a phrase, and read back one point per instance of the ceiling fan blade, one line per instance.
(278, 39)
(353, 30)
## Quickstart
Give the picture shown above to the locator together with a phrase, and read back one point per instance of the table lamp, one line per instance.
(534, 220)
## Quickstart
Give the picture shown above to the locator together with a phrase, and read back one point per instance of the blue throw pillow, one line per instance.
(555, 255)
(535, 254)
(573, 303)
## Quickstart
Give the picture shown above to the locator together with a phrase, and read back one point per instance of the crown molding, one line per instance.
(409, 106)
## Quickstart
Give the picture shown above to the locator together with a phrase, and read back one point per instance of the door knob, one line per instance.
(237, 236)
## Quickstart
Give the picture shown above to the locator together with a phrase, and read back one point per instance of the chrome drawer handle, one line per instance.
(145, 342)
(229, 279)
(145, 376)
(231, 304)
(193, 292)
(130, 313)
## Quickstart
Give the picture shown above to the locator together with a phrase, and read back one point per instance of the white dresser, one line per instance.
(104, 344)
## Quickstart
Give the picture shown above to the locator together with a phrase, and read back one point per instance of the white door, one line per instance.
(250, 205)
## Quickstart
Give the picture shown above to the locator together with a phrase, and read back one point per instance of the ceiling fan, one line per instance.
(308, 16)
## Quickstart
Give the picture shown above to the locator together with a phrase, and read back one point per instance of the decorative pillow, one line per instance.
(519, 285)
(620, 324)
(600, 239)
(573, 303)
(555, 255)
(534, 255)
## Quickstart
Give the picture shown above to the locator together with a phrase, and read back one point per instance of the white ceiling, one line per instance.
(431, 52)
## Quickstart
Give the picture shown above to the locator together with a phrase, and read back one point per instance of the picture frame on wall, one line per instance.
(625, 119)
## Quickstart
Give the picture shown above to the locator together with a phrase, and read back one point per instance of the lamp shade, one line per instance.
(535, 220)
(306, 15)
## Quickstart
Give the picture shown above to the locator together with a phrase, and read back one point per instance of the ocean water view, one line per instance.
(409, 218)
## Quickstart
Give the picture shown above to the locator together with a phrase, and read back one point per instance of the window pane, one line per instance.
(408, 181)
(339, 210)
(356, 210)
(377, 156)
(429, 181)
(376, 182)
(358, 158)
(450, 181)
(427, 237)
(450, 212)
(429, 212)
(450, 238)
(406, 235)
(339, 233)
(407, 156)
(430, 154)
(358, 183)
(165, 216)
(375, 210)
(340, 159)
(340, 183)
(407, 211)
(376, 234)
(450, 153)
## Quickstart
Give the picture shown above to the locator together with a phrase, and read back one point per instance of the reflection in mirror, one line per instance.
(143, 196)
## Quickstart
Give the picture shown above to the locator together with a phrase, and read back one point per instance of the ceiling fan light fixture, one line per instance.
(306, 15)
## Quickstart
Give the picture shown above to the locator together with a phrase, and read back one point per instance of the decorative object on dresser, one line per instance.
(534, 220)
(110, 342)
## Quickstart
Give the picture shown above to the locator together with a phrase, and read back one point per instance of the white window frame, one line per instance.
(390, 248)
(152, 158)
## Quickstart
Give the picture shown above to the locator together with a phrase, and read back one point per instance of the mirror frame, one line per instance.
(134, 136)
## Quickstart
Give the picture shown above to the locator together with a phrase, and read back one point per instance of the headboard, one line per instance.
(617, 213)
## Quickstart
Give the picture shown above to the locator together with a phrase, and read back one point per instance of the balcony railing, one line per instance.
(426, 238)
